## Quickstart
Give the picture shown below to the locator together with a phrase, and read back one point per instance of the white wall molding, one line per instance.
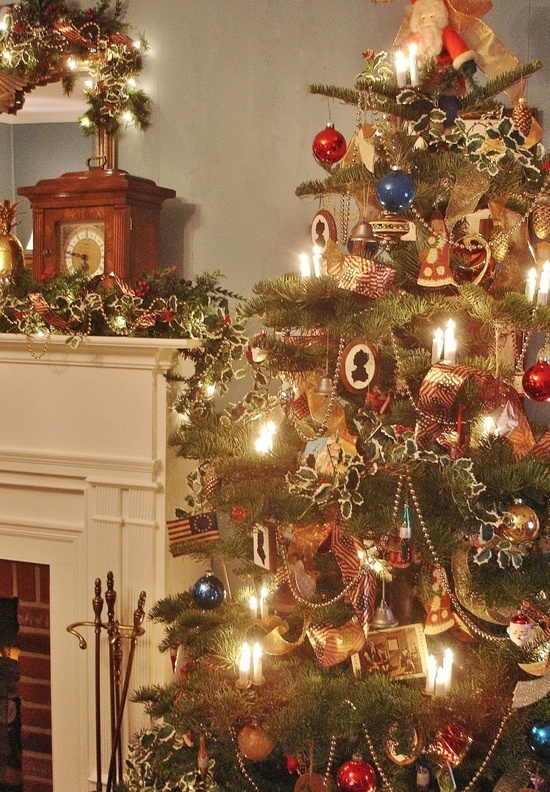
(84, 472)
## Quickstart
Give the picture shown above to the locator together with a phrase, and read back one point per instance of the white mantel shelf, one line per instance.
(87, 481)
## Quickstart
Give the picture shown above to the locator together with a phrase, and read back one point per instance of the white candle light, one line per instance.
(316, 257)
(544, 283)
(440, 682)
(448, 669)
(437, 346)
(264, 443)
(244, 666)
(264, 611)
(305, 269)
(430, 676)
(257, 677)
(401, 69)
(253, 605)
(449, 343)
(413, 64)
(531, 284)
(490, 425)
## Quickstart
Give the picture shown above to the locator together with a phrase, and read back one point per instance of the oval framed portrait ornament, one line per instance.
(359, 366)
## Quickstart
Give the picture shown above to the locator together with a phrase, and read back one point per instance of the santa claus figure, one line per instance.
(435, 38)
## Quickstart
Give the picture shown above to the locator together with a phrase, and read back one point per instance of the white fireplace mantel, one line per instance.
(86, 483)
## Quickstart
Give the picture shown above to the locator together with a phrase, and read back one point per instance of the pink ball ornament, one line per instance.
(329, 145)
(356, 776)
(536, 381)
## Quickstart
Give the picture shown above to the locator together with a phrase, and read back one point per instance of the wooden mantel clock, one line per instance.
(105, 220)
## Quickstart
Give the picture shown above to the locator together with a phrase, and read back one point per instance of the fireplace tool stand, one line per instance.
(118, 686)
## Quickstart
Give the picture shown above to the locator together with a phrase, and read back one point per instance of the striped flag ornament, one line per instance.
(201, 527)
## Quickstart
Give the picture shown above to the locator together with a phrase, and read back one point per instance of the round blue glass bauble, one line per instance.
(208, 592)
(396, 191)
(538, 739)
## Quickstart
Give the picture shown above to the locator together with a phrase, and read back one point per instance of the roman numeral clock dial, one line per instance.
(83, 247)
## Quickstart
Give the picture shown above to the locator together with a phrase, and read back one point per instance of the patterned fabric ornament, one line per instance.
(435, 270)
(367, 277)
(362, 595)
(195, 527)
(333, 645)
(437, 404)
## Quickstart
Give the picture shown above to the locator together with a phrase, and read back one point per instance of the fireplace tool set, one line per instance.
(118, 683)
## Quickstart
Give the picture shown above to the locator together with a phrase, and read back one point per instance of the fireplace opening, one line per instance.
(25, 710)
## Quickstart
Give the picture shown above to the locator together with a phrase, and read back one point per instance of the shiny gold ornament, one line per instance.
(520, 523)
(500, 245)
(541, 219)
(522, 117)
(389, 228)
(254, 742)
(312, 782)
(11, 249)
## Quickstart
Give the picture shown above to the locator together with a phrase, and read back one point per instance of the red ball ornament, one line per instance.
(536, 381)
(356, 776)
(329, 146)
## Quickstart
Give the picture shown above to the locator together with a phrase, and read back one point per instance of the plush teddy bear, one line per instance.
(434, 37)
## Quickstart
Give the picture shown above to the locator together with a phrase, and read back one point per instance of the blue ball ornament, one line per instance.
(396, 191)
(208, 592)
(538, 739)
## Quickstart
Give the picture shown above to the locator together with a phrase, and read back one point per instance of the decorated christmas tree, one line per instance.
(373, 513)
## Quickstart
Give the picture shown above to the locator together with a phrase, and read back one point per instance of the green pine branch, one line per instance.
(480, 94)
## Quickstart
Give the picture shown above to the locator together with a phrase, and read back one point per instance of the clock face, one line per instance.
(83, 246)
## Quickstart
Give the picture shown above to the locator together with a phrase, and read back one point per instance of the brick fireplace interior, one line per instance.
(29, 583)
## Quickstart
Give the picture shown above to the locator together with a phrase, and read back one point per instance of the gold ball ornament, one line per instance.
(520, 524)
(254, 742)
(541, 218)
(500, 245)
(311, 782)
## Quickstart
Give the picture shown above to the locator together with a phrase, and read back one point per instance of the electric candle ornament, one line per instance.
(264, 443)
(439, 678)
(449, 343)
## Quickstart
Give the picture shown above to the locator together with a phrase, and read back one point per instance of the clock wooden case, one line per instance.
(106, 220)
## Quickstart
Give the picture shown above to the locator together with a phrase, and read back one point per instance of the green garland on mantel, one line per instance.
(44, 41)
(160, 305)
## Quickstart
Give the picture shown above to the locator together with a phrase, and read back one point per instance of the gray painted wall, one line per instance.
(233, 120)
